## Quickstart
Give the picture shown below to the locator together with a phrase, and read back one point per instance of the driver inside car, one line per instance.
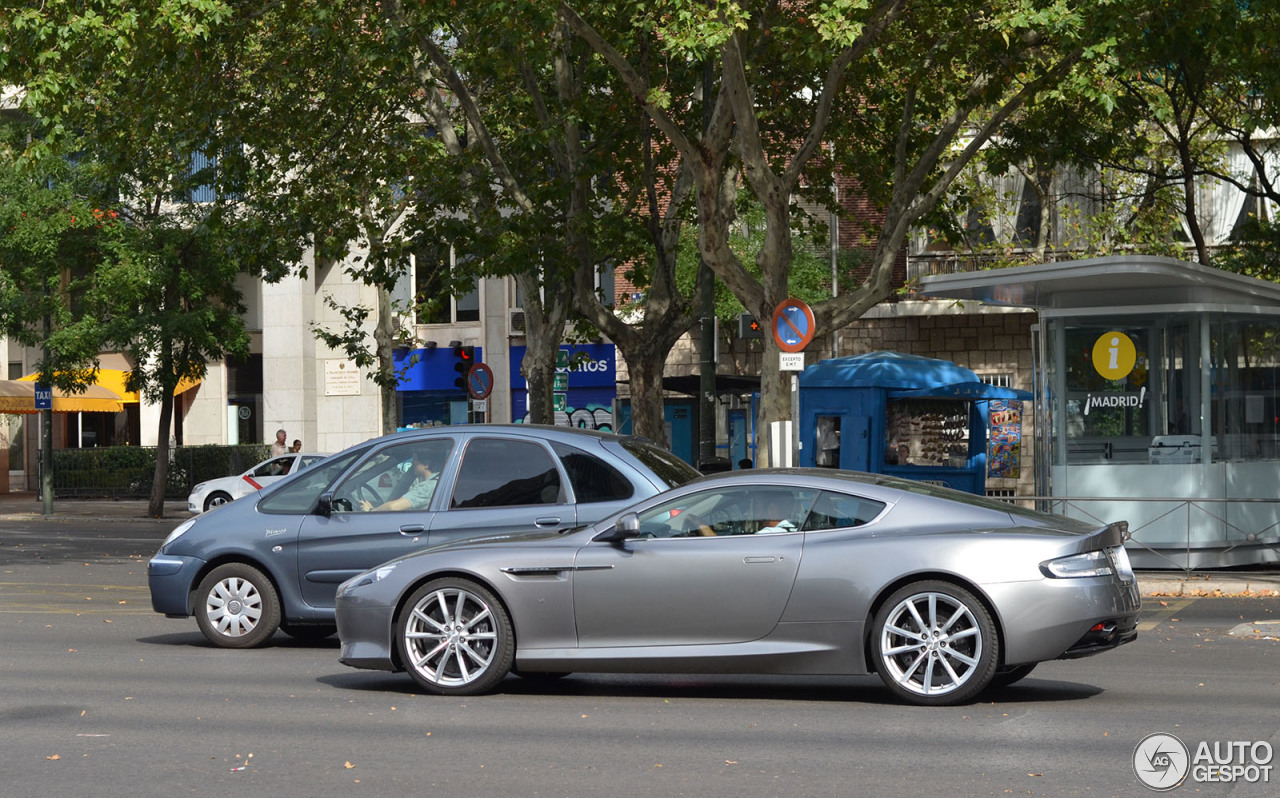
(418, 495)
(778, 512)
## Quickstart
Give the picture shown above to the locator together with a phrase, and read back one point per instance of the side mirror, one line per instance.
(325, 504)
(628, 526)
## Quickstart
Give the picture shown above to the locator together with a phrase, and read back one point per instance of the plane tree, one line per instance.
(900, 95)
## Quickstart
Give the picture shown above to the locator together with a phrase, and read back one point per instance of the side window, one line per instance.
(840, 510)
(274, 467)
(593, 479)
(399, 477)
(299, 495)
(718, 513)
(506, 473)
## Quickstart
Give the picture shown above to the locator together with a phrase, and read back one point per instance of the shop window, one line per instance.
(1109, 396)
(827, 453)
(927, 432)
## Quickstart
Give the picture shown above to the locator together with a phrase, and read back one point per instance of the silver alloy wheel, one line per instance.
(234, 606)
(216, 500)
(930, 644)
(450, 637)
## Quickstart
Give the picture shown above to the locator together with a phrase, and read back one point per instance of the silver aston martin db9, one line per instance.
(798, 571)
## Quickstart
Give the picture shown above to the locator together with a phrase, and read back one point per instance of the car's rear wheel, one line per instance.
(1014, 673)
(216, 499)
(934, 643)
(237, 606)
(455, 638)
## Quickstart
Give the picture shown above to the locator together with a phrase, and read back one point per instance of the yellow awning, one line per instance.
(113, 380)
(19, 396)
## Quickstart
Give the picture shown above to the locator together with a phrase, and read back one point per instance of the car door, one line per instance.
(503, 485)
(698, 575)
(335, 547)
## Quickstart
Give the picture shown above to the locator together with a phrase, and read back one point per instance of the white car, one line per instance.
(216, 492)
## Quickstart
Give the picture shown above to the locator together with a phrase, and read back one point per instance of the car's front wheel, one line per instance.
(934, 643)
(216, 499)
(237, 606)
(455, 638)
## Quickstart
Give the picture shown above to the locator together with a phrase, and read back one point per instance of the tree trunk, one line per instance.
(155, 506)
(384, 339)
(644, 367)
(539, 370)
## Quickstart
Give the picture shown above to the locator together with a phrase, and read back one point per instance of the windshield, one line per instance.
(673, 471)
(299, 495)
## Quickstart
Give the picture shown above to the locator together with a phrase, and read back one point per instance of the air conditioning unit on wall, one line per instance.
(515, 321)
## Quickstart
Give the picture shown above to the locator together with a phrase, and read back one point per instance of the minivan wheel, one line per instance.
(237, 606)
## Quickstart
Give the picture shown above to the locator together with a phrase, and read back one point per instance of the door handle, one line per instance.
(412, 529)
(548, 521)
(750, 560)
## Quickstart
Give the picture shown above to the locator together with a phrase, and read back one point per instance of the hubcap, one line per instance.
(234, 606)
(930, 644)
(450, 637)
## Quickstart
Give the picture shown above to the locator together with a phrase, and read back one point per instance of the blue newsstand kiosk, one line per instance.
(905, 415)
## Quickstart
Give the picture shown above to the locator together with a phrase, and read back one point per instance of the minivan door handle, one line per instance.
(412, 529)
(548, 521)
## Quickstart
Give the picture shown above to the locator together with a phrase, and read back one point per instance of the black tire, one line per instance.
(309, 634)
(934, 643)
(236, 606)
(455, 638)
(1011, 674)
(217, 499)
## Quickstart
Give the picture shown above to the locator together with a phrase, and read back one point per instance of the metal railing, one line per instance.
(1231, 541)
(127, 472)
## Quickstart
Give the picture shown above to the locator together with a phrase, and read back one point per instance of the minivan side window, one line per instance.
(593, 479)
(506, 473)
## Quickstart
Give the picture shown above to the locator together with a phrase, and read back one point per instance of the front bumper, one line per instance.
(365, 632)
(172, 579)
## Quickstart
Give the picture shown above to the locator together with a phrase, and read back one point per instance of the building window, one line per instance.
(440, 297)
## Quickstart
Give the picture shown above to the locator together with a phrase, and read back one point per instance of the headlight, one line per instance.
(1091, 563)
(376, 575)
(177, 531)
(201, 488)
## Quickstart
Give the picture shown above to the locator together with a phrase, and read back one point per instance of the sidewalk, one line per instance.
(23, 506)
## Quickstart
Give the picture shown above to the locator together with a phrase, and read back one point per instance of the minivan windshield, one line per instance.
(669, 468)
(299, 495)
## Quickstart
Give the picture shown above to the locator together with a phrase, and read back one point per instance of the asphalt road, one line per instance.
(98, 695)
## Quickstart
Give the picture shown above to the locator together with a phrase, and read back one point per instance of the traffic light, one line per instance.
(748, 327)
(465, 358)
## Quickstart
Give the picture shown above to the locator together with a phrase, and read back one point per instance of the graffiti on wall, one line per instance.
(596, 417)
